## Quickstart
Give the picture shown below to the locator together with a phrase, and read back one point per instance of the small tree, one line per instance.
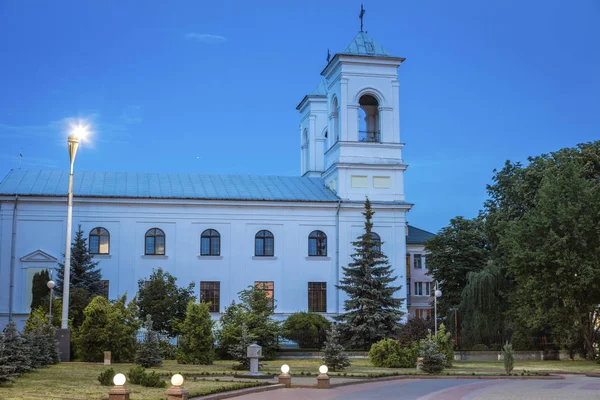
(445, 344)
(7, 370)
(307, 329)
(372, 311)
(149, 354)
(16, 352)
(85, 273)
(415, 330)
(197, 341)
(238, 350)
(160, 297)
(39, 289)
(433, 359)
(334, 356)
(509, 357)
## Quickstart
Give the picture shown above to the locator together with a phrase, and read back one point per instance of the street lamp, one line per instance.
(50, 285)
(78, 132)
(437, 293)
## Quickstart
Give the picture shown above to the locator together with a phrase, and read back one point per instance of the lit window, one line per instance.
(317, 244)
(155, 242)
(269, 289)
(264, 244)
(210, 243)
(210, 292)
(99, 241)
(317, 296)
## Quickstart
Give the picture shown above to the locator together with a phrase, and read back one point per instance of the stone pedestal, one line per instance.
(119, 393)
(177, 393)
(285, 379)
(419, 363)
(64, 344)
(323, 381)
(107, 358)
(254, 366)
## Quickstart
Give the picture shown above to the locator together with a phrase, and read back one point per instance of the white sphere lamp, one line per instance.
(51, 284)
(285, 369)
(177, 380)
(323, 369)
(438, 293)
(119, 380)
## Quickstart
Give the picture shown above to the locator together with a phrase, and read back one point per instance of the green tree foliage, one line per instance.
(372, 311)
(79, 299)
(238, 350)
(85, 273)
(544, 220)
(108, 327)
(434, 360)
(39, 288)
(106, 377)
(445, 343)
(160, 297)
(333, 352)
(388, 353)
(508, 356)
(16, 350)
(255, 312)
(414, 330)
(197, 340)
(43, 334)
(307, 329)
(457, 250)
(149, 354)
(7, 369)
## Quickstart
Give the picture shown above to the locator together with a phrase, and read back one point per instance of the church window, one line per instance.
(155, 242)
(317, 296)
(305, 151)
(264, 244)
(99, 241)
(376, 241)
(269, 289)
(210, 292)
(335, 120)
(317, 244)
(368, 114)
(210, 243)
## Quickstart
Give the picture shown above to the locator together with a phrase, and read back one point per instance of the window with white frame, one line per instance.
(418, 261)
(418, 289)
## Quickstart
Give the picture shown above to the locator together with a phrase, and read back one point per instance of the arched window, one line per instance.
(264, 244)
(305, 151)
(99, 242)
(376, 241)
(155, 242)
(317, 244)
(210, 243)
(368, 119)
(334, 119)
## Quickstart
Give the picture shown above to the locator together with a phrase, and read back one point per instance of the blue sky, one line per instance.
(211, 87)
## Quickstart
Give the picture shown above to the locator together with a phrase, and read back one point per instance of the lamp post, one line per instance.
(438, 293)
(50, 285)
(77, 133)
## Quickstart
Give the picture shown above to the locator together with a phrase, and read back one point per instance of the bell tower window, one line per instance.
(368, 119)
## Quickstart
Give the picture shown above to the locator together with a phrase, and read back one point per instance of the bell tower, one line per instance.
(350, 129)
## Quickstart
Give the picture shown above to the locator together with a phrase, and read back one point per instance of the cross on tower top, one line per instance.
(361, 16)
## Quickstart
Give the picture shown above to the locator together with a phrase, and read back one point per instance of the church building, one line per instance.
(287, 235)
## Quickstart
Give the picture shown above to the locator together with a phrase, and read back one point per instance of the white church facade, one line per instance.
(289, 236)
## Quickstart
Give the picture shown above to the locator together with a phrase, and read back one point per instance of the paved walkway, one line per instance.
(572, 388)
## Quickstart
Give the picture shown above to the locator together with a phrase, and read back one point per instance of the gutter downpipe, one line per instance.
(337, 255)
(13, 250)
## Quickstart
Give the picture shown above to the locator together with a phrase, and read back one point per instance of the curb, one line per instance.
(593, 374)
(240, 392)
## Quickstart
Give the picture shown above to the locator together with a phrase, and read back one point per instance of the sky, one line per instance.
(211, 87)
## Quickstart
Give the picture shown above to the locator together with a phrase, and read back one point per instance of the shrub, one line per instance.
(16, 350)
(334, 356)
(168, 349)
(445, 344)
(106, 378)
(433, 359)
(509, 357)
(388, 353)
(306, 328)
(197, 341)
(136, 374)
(480, 347)
(152, 379)
(415, 330)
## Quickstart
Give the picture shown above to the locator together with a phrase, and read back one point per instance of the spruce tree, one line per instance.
(372, 311)
(16, 350)
(7, 371)
(197, 341)
(39, 289)
(149, 353)
(238, 350)
(334, 356)
(84, 271)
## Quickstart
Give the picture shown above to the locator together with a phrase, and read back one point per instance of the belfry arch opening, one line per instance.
(368, 119)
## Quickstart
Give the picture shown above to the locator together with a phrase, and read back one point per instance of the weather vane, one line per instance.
(328, 55)
(361, 16)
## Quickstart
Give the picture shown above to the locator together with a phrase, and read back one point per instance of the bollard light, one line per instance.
(285, 378)
(323, 378)
(177, 380)
(323, 369)
(285, 368)
(119, 380)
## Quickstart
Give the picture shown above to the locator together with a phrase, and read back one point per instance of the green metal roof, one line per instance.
(321, 90)
(364, 45)
(418, 236)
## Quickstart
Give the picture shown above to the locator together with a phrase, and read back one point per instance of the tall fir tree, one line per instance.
(372, 311)
(149, 354)
(85, 273)
(40, 294)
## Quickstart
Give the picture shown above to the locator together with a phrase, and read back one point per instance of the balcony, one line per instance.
(369, 136)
